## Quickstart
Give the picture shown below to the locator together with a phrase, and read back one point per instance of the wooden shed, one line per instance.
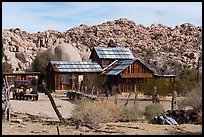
(67, 75)
(11, 77)
(34, 77)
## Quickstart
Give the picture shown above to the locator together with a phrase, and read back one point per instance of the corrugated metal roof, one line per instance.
(76, 66)
(164, 75)
(118, 67)
(114, 53)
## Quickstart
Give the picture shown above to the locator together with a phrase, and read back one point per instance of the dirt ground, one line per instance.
(39, 118)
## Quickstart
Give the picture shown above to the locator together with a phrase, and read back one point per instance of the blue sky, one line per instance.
(41, 16)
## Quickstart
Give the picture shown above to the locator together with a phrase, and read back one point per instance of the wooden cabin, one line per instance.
(69, 75)
(127, 74)
(122, 69)
(105, 56)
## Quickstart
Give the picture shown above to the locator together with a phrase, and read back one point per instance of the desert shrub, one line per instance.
(41, 61)
(186, 81)
(132, 113)
(168, 49)
(94, 80)
(95, 112)
(155, 37)
(6, 67)
(153, 110)
(192, 98)
(163, 88)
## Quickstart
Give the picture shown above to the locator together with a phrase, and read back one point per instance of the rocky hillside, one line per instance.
(163, 47)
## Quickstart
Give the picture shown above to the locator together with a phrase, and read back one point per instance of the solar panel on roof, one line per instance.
(113, 52)
(77, 66)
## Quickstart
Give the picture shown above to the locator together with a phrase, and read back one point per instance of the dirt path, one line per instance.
(43, 106)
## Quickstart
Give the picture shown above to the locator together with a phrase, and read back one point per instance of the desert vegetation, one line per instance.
(41, 60)
(163, 88)
(193, 98)
(187, 80)
(153, 110)
(95, 112)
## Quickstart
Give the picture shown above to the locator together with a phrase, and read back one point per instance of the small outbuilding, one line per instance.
(67, 75)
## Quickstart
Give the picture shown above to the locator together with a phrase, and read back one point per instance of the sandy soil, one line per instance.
(43, 106)
(22, 124)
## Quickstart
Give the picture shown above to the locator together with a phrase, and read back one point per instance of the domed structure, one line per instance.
(65, 52)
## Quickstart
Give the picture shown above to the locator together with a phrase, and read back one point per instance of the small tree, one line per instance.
(41, 60)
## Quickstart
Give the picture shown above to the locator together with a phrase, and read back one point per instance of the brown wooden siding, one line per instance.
(129, 84)
(57, 81)
(128, 87)
(136, 70)
(130, 79)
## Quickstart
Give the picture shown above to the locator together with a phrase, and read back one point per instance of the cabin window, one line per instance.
(105, 63)
(11, 81)
(65, 79)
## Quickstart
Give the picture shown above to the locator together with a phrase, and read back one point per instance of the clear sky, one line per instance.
(41, 16)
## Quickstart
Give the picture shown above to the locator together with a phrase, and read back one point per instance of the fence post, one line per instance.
(174, 101)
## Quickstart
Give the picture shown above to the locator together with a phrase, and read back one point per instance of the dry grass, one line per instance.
(153, 110)
(131, 113)
(193, 99)
(95, 112)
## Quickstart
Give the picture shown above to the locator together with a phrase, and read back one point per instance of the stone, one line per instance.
(184, 38)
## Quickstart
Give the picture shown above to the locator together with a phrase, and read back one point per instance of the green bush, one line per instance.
(162, 86)
(95, 112)
(94, 80)
(193, 98)
(153, 110)
(186, 81)
(41, 60)
(131, 113)
(6, 67)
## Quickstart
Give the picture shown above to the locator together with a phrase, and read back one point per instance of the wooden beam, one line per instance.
(136, 75)
(52, 102)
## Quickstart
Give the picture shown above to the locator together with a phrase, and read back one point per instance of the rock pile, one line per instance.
(163, 47)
